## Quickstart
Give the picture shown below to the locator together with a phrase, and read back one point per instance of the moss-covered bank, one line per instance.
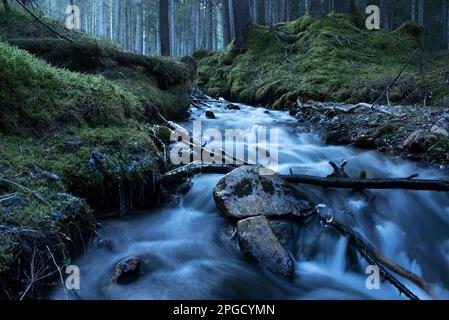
(73, 145)
(334, 59)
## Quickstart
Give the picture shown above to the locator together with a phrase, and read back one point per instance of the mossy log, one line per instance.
(89, 56)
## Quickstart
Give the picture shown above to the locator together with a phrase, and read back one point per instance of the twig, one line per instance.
(397, 77)
(43, 23)
(37, 195)
(58, 268)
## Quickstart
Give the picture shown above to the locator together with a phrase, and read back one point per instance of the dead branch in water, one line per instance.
(374, 257)
(362, 184)
(361, 105)
(367, 253)
(195, 168)
(180, 129)
(407, 183)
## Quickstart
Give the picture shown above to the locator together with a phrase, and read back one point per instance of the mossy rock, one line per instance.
(333, 59)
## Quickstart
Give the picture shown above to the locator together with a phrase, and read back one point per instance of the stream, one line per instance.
(189, 250)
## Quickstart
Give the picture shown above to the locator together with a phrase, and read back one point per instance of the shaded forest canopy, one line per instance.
(187, 25)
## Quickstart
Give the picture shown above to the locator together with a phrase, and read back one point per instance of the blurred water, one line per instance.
(190, 252)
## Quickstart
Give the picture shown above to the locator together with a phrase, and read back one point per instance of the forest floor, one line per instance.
(337, 61)
(77, 139)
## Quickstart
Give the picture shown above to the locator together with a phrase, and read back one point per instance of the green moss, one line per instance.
(71, 142)
(244, 188)
(332, 59)
(411, 29)
(36, 96)
(17, 24)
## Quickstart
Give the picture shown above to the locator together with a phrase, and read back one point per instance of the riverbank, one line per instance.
(336, 60)
(414, 133)
(78, 140)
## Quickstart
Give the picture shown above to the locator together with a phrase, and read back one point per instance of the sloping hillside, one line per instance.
(332, 59)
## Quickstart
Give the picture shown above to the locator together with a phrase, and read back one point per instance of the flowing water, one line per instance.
(190, 251)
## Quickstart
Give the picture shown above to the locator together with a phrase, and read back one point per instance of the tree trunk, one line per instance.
(241, 20)
(6, 5)
(318, 8)
(421, 12)
(343, 6)
(164, 27)
(413, 10)
(209, 26)
(171, 11)
(118, 14)
(260, 12)
(385, 14)
(226, 20)
(101, 22)
(139, 29)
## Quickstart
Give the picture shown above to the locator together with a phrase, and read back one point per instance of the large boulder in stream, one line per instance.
(246, 193)
(257, 240)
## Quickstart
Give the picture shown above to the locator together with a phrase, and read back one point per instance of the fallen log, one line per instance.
(352, 108)
(362, 184)
(373, 257)
(407, 183)
(227, 157)
(357, 242)
(195, 168)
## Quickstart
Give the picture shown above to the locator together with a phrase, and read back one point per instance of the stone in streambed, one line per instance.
(439, 131)
(245, 192)
(257, 240)
(210, 115)
(419, 141)
(232, 107)
(127, 270)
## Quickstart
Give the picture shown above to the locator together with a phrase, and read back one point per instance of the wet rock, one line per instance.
(293, 111)
(252, 191)
(443, 123)
(315, 119)
(338, 137)
(438, 131)
(364, 141)
(419, 141)
(301, 117)
(127, 270)
(335, 120)
(210, 115)
(232, 107)
(283, 230)
(257, 239)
